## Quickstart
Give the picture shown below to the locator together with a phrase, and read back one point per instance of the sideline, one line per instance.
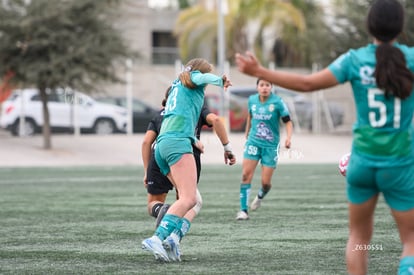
(113, 150)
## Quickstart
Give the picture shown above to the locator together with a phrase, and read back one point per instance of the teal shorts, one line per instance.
(395, 183)
(267, 155)
(170, 150)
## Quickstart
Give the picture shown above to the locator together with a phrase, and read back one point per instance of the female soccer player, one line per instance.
(382, 158)
(174, 153)
(157, 184)
(262, 131)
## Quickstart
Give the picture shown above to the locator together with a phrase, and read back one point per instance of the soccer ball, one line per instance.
(343, 164)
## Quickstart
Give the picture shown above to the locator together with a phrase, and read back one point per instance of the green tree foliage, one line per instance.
(349, 27)
(197, 25)
(60, 43)
(328, 33)
(408, 35)
(183, 4)
(300, 49)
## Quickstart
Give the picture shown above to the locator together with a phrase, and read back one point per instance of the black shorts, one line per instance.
(160, 184)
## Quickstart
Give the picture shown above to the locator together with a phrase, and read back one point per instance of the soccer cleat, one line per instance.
(154, 245)
(161, 214)
(172, 246)
(255, 203)
(241, 216)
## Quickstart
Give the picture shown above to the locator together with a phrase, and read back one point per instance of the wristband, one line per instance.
(227, 147)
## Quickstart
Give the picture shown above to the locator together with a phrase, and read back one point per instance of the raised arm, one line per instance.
(248, 64)
(199, 78)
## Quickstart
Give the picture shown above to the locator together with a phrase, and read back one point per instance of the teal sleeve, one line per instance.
(200, 79)
(340, 68)
(284, 109)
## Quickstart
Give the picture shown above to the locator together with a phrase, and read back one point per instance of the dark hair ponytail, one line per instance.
(385, 22)
(391, 72)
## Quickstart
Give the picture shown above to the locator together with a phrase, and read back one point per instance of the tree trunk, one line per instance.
(47, 142)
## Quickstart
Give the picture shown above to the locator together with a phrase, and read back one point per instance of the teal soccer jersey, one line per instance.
(182, 111)
(383, 132)
(265, 119)
(184, 105)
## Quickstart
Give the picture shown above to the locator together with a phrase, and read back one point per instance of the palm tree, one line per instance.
(246, 22)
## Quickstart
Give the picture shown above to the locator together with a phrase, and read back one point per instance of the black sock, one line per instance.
(156, 209)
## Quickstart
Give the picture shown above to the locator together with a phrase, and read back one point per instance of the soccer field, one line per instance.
(91, 220)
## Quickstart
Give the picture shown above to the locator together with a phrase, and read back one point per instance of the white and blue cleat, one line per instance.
(155, 246)
(172, 245)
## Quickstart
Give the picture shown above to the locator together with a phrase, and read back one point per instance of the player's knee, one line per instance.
(187, 202)
(190, 201)
(246, 177)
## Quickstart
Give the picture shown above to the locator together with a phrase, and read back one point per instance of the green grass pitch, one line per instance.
(91, 220)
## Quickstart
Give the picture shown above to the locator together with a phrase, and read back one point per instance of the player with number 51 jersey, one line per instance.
(383, 117)
(382, 155)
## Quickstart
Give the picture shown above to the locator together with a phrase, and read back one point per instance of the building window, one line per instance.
(164, 48)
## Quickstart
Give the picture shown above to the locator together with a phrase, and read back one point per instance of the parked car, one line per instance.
(298, 104)
(142, 113)
(237, 110)
(92, 116)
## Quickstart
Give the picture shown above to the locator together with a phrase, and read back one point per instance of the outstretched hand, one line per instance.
(226, 82)
(247, 64)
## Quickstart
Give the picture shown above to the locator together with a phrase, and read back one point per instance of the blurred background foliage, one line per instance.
(303, 32)
(67, 43)
(60, 43)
